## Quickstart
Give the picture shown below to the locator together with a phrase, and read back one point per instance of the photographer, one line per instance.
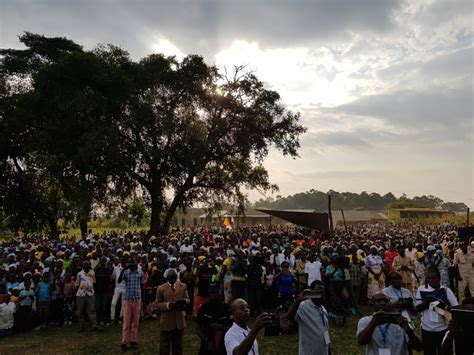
(433, 300)
(239, 339)
(312, 319)
(133, 280)
(386, 333)
(400, 298)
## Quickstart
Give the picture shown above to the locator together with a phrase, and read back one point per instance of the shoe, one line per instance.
(124, 347)
(134, 345)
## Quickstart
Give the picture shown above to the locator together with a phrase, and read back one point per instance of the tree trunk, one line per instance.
(170, 213)
(53, 226)
(156, 208)
(83, 225)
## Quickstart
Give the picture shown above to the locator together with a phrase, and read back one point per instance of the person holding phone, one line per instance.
(385, 332)
(133, 280)
(312, 318)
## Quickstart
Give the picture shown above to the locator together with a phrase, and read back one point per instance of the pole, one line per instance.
(344, 219)
(331, 227)
(468, 215)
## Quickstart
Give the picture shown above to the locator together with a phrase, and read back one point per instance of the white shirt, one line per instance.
(431, 321)
(7, 312)
(186, 249)
(119, 286)
(235, 336)
(313, 269)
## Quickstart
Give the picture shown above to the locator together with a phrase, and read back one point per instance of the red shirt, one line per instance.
(389, 256)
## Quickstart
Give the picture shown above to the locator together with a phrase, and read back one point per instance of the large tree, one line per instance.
(196, 135)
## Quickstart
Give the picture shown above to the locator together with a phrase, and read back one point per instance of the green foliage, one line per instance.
(94, 125)
(318, 200)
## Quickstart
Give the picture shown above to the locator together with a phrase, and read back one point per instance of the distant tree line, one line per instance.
(85, 130)
(318, 200)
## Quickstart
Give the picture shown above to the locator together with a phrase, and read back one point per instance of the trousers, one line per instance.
(131, 318)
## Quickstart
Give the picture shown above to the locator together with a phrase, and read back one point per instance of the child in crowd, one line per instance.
(43, 295)
(25, 313)
(68, 293)
(7, 316)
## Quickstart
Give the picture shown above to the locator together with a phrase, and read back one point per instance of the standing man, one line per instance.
(172, 299)
(85, 297)
(384, 333)
(118, 290)
(312, 318)
(213, 321)
(133, 280)
(464, 264)
(405, 266)
(239, 339)
(313, 269)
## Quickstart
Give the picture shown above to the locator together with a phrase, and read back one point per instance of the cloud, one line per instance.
(437, 106)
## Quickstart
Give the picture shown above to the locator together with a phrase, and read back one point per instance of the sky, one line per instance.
(385, 87)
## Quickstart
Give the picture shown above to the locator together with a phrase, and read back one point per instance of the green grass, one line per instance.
(67, 340)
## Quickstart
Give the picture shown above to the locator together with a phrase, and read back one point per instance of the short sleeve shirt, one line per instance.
(385, 336)
(235, 336)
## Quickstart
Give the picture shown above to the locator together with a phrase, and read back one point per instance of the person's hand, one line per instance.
(380, 318)
(403, 323)
(171, 306)
(454, 328)
(459, 278)
(263, 320)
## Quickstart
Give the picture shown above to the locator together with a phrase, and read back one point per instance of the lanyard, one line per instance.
(384, 333)
(399, 293)
(253, 344)
(323, 318)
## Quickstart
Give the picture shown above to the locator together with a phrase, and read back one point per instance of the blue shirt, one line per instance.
(133, 281)
(43, 291)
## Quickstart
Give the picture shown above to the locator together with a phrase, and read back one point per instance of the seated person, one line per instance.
(386, 333)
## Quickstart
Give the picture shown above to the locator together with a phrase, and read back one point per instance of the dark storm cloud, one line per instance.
(411, 108)
(197, 26)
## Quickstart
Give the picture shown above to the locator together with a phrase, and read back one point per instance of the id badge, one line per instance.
(434, 316)
(327, 340)
(384, 351)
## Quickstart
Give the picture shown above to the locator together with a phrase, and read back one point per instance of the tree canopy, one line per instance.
(318, 200)
(79, 126)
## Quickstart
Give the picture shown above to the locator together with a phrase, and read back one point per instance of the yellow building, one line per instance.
(403, 214)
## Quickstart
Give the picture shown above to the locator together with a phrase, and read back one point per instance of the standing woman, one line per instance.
(286, 284)
(375, 275)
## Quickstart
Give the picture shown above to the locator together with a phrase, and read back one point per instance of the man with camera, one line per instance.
(133, 280)
(172, 299)
(312, 320)
(239, 339)
(400, 298)
(386, 332)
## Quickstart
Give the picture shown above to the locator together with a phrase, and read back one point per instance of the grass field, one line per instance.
(67, 340)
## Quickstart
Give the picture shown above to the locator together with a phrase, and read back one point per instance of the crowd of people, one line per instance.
(284, 277)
